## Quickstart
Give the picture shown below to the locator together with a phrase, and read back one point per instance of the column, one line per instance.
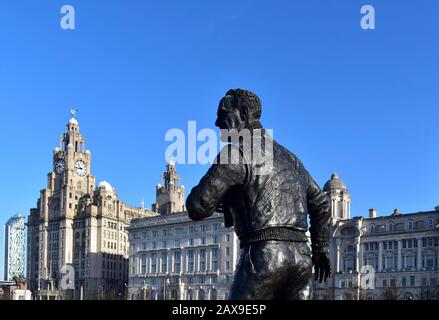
(437, 258)
(209, 266)
(419, 259)
(197, 260)
(399, 255)
(380, 256)
(357, 256)
(338, 256)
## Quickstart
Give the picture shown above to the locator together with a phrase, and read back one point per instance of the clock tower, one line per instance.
(70, 187)
(78, 229)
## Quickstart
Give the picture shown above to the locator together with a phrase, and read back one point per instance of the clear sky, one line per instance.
(361, 103)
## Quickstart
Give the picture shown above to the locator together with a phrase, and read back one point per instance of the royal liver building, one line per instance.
(388, 257)
(77, 237)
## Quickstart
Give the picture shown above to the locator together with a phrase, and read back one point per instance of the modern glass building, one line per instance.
(14, 247)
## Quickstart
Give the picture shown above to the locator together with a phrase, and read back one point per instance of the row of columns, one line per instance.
(171, 261)
(359, 258)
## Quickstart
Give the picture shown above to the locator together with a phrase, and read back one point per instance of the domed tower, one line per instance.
(169, 193)
(340, 198)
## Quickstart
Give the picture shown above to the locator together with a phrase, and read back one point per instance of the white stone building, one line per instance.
(401, 250)
(175, 258)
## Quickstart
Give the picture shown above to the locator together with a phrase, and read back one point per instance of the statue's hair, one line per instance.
(246, 99)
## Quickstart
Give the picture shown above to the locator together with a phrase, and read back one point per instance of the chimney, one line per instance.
(436, 208)
(372, 213)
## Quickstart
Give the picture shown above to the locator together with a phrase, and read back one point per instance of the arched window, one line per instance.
(213, 294)
(408, 296)
(371, 228)
(430, 223)
(349, 231)
(410, 224)
(391, 226)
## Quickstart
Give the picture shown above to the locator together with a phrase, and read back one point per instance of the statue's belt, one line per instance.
(273, 233)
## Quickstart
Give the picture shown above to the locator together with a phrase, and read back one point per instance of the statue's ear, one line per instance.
(244, 113)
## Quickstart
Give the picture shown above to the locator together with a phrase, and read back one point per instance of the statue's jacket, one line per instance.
(265, 196)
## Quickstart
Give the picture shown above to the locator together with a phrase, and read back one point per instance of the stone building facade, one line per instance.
(77, 246)
(175, 258)
(386, 257)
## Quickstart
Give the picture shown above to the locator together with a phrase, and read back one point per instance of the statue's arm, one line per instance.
(320, 215)
(208, 194)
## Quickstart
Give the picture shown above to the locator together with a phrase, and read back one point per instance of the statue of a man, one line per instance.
(269, 210)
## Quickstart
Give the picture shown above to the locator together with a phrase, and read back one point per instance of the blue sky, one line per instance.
(361, 103)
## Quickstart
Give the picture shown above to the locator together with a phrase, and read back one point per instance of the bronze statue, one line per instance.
(268, 211)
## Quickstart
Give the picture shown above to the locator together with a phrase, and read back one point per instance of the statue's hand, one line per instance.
(322, 266)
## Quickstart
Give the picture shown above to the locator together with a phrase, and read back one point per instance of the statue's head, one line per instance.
(238, 109)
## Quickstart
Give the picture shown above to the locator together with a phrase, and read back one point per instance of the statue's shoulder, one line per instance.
(285, 155)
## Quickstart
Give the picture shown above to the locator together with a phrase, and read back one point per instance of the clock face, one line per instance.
(80, 168)
(60, 166)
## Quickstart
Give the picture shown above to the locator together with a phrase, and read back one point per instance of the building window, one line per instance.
(203, 228)
(227, 251)
(177, 243)
(390, 262)
(216, 227)
(215, 240)
(177, 261)
(144, 259)
(372, 261)
(409, 261)
(410, 224)
(391, 226)
(191, 241)
(429, 261)
(403, 281)
(154, 263)
(372, 228)
(430, 223)
(412, 280)
(203, 240)
(350, 231)
(228, 237)
(227, 265)
(164, 262)
(349, 264)
(384, 282)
